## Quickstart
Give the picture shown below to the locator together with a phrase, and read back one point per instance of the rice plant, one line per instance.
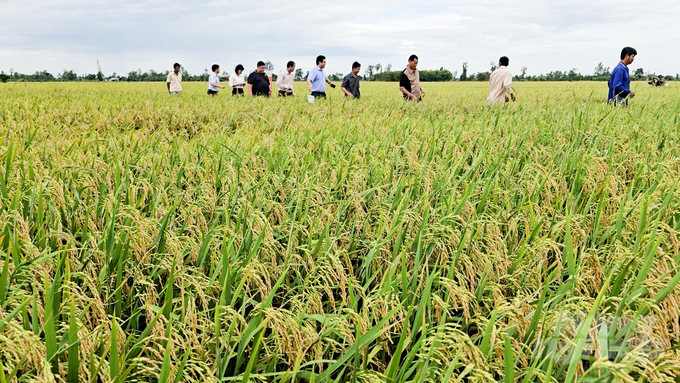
(193, 239)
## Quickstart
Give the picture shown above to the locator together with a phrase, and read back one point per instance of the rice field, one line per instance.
(152, 238)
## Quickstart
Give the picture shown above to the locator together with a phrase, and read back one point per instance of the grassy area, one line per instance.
(145, 237)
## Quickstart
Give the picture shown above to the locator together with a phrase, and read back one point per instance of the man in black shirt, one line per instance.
(350, 85)
(258, 82)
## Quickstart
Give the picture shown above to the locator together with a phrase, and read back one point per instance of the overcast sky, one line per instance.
(542, 35)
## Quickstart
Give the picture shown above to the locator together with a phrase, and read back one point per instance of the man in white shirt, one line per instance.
(285, 81)
(500, 83)
(174, 81)
(214, 80)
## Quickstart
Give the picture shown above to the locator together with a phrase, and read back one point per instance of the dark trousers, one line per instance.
(319, 94)
(212, 92)
(285, 93)
(237, 92)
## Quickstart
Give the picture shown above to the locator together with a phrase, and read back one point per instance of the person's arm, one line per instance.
(343, 87)
(347, 93)
(291, 82)
(168, 84)
(508, 86)
(407, 93)
(402, 87)
(250, 90)
(617, 84)
(330, 83)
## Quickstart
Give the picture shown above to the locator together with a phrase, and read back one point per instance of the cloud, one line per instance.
(128, 35)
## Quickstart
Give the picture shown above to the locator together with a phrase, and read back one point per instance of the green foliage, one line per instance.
(145, 237)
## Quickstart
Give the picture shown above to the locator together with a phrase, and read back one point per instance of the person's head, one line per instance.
(628, 55)
(239, 69)
(290, 66)
(260, 67)
(321, 61)
(504, 61)
(216, 68)
(413, 61)
(176, 67)
(356, 67)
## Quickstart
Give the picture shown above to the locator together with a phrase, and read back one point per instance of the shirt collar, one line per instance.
(624, 65)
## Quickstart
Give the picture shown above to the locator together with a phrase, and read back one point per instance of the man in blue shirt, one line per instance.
(619, 84)
(317, 79)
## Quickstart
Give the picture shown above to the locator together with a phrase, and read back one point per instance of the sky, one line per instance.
(542, 36)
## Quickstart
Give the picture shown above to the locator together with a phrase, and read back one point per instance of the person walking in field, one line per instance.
(258, 82)
(284, 82)
(409, 83)
(350, 84)
(214, 80)
(619, 83)
(174, 81)
(317, 80)
(237, 81)
(500, 84)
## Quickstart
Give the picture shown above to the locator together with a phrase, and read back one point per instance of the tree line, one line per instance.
(375, 72)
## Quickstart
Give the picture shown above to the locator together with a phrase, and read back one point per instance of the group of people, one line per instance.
(259, 83)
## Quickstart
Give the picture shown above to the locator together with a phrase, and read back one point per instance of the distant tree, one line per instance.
(639, 74)
(524, 73)
(299, 74)
(269, 67)
(601, 72)
(306, 76)
(369, 71)
(3, 77)
(388, 68)
(493, 66)
(440, 74)
(483, 76)
(463, 76)
(574, 75)
(69, 75)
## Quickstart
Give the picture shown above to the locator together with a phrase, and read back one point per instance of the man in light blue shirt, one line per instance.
(317, 79)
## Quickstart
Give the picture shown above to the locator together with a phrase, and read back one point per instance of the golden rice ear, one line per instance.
(186, 239)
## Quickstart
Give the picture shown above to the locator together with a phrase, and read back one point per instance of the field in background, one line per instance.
(155, 238)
